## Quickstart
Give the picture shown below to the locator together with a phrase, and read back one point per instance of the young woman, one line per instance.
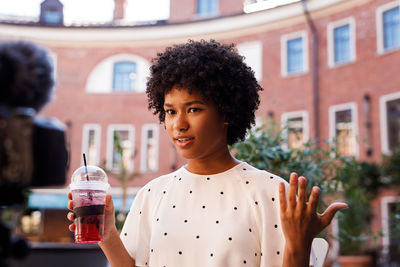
(215, 210)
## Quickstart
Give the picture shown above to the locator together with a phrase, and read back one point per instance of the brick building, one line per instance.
(328, 68)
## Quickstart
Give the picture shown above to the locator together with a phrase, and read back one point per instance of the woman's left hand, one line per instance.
(299, 218)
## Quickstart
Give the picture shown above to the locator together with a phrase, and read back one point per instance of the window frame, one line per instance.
(296, 114)
(385, 202)
(135, 84)
(379, 27)
(209, 14)
(332, 122)
(331, 41)
(85, 139)
(257, 46)
(284, 56)
(110, 142)
(383, 120)
(143, 154)
(100, 79)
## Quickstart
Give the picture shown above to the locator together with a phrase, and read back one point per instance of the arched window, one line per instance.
(124, 76)
(121, 73)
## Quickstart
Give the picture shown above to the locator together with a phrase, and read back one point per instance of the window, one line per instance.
(341, 42)
(120, 147)
(149, 155)
(391, 28)
(294, 57)
(388, 26)
(119, 73)
(52, 16)
(343, 127)
(207, 7)
(295, 128)
(31, 223)
(390, 206)
(124, 76)
(91, 143)
(390, 121)
(252, 52)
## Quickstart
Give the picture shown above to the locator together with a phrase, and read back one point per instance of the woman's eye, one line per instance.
(193, 109)
(169, 111)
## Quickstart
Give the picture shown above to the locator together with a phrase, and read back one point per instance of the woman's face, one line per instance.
(196, 129)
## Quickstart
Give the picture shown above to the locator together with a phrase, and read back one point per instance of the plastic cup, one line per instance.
(89, 190)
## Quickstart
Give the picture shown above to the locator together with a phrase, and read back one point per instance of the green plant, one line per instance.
(123, 176)
(354, 222)
(265, 149)
(344, 177)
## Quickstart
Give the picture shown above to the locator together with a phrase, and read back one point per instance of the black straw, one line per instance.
(84, 162)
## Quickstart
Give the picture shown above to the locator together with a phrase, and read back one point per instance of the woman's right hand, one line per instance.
(109, 217)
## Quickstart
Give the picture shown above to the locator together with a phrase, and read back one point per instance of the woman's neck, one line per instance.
(213, 165)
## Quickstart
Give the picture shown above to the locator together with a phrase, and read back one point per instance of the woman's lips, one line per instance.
(184, 141)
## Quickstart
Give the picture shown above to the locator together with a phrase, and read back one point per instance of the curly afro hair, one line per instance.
(25, 75)
(215, 70)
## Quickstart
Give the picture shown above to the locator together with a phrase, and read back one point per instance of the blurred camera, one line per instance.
(33, 150)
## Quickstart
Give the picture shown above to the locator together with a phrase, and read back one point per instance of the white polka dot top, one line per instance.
(226, 219)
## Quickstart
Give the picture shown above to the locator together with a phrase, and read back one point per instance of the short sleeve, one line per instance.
(135, 234)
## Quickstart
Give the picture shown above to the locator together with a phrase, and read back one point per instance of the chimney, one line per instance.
(119, 10)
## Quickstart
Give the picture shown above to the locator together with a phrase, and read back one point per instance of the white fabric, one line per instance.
(227, 219)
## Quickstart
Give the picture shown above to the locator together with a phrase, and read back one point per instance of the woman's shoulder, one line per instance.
(259, 182)
(160, 182)
(261, 176)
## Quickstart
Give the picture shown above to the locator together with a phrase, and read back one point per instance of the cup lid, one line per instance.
(89, 174)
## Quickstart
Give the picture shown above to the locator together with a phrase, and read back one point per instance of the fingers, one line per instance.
(302, 192)
(292, 190)
(70, 205)
(282, 197)
(314, 199)
(328, 214)
(109, 205)
(71, 216)
(72, 227)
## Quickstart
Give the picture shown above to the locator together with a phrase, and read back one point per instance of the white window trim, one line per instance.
(258, 65)
(385, 201)
(85, 139)
(332, 128)
(143, 154)
(331, 43)
(379, 26)
(295, 114)
(383, 120)
(110, 142)
(284, 40)
(105, 71)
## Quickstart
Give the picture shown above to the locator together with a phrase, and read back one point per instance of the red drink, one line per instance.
(88, 186)
(89, 215)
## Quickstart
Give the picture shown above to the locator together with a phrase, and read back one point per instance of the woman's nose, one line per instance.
(181, 123)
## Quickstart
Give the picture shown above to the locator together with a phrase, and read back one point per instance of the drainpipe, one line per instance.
(315, 74)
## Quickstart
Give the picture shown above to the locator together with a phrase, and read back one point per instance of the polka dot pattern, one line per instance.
(202, 219)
